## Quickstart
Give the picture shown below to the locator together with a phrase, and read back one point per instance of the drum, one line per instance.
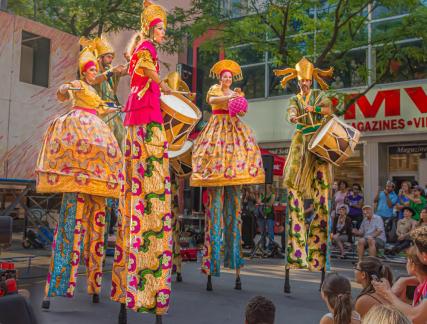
(334, 141)
(180, 160)
(180, 116)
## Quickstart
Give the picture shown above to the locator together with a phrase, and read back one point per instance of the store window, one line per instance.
(245, 54)
(35, 57)
(205, 60)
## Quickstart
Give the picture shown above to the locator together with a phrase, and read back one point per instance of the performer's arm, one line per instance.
(222, 99)
(323, 108)
(63, 93)
(292, 112)
(153, 75)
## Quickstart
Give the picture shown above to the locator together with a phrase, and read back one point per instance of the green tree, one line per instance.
(326, 31)
(82, 17)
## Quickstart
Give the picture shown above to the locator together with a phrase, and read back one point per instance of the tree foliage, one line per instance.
(325, 31)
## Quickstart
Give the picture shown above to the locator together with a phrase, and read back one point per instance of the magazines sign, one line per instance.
(390, 110)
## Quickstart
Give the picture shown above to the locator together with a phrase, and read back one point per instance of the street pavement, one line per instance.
(191, 303)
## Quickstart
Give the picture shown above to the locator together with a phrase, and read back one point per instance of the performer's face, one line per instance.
(107, 59)
(90, 74)
(159, 33)
(305, 85)
(226, 79)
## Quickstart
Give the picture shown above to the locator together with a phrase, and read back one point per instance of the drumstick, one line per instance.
(303, 115)
(182, 93)
(75, 89)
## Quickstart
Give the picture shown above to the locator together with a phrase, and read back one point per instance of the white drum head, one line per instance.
(322, 132)
(179, 105)
(187, 146)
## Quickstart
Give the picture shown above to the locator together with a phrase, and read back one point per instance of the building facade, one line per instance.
(392, 116)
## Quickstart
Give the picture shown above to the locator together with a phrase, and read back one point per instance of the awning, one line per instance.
(278, 162)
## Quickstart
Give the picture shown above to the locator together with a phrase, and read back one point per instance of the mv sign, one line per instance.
(390, 110)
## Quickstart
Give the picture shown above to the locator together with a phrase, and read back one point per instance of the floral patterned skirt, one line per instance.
(226, 154)
(80, 154)
(142, 266)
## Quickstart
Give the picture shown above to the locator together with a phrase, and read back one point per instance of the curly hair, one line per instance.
(260, 310)
(385, 314)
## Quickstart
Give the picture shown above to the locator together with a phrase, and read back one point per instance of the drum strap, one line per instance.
(306, 130)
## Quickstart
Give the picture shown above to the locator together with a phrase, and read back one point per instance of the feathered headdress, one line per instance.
(305, 70)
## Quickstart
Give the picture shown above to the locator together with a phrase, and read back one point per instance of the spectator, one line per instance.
(268, 201)
(423, 217)
(371, 232)
(385, 314)
(418, 313)
(342, 229)
(336, 293)
(260, 310)
(403, 232)
(308, 211)
(340, 194)
(418, 202)
(404, 197)
(364, 272)
(355, 201)
(385, 201)
(419, 270)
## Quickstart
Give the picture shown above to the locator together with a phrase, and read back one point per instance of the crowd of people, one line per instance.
(381, 300)
(385, 226)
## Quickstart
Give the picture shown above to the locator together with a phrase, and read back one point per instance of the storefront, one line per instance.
(393, 122)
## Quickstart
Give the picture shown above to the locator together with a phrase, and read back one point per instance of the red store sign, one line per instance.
(401, 110)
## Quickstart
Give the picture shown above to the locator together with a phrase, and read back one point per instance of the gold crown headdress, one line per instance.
(305, 70)
(226, 65)
(99, 45)
(87, 54)
(150, 14)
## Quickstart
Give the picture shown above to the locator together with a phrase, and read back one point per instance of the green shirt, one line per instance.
(418, 207)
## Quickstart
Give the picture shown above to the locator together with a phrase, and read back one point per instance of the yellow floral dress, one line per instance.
(226, 152)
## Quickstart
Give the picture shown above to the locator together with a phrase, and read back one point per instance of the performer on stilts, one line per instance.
(81, 158)
(107, 83)
(225, 156)
(143, 256)
(305, 174)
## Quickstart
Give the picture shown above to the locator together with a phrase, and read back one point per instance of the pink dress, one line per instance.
(143, 104)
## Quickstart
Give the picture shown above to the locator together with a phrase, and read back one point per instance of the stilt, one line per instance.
(238, 285)
(95, 298)
(46, 303)
(178, 277)
(123, 317)
(322, 278)
(159, 319)
(209, 283)
(287, 287)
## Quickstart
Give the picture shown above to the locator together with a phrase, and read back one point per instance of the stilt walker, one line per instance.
(306, 175)
(81, 158)
(225, 156)
(176, 226)
(143, 257)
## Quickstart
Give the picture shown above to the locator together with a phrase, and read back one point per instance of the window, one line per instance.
(253, 84)
(205, 60)
(244, 54)
(402, 62)
(352, 72)
(35, 57)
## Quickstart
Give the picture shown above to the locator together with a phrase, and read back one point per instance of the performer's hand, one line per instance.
(75, 84)
(165, 88)
(233, 95)
(293, 120)
(119, 69)
(126, 55)
(309, 109)
(64, 88)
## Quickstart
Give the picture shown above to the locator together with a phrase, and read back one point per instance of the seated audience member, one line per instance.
(423, 217)
(355, 201)
(403, 231)
(385, 314)
(405, 193)
(336, 293)
(260, 310)
(371, 233)
(417, 312)
(364, 272)
(418, 201)
(342, 229)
